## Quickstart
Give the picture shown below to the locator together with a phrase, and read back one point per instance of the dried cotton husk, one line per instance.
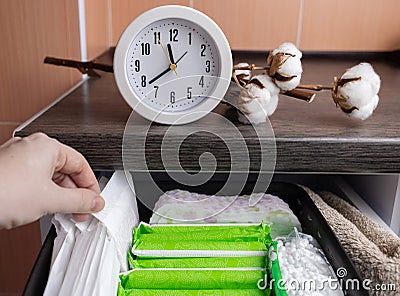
(243, 76)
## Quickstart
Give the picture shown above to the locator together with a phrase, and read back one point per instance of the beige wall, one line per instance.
(98, 27)
(30, 30)
(124, 11)
(332, 25)
(351, 25)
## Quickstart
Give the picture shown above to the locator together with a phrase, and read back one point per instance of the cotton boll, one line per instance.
(258, 99)
(356, 92)
(242, 75)
(288, 47)
(285, 66)
(365, 111)
(366, 71)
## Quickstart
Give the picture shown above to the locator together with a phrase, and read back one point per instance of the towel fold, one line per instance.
(374, 251)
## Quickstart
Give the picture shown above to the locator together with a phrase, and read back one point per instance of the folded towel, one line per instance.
(385, 241)
(374, 251)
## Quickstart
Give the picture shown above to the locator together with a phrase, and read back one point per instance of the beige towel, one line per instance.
(374, 251)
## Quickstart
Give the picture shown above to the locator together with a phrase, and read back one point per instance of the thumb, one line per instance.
(75, 200)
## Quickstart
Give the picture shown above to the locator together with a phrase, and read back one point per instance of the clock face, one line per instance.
(172, 65)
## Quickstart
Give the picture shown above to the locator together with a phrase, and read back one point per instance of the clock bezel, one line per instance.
(173, 12)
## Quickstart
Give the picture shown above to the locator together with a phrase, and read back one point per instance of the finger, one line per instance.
(71, 162)
(74, 200)
(64, 181)
(80, 217)
(10, 142)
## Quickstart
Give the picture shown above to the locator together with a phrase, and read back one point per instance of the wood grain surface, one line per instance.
(314, 137)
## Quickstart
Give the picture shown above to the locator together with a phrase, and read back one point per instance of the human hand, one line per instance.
(39, 176)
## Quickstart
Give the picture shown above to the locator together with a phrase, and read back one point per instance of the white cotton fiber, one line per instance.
(356, 92)
(288, 47)
(243, 75)
(285, 66)
(258, 99)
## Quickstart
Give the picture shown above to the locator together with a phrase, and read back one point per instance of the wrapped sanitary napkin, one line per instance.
(88, 256)
(179, 206)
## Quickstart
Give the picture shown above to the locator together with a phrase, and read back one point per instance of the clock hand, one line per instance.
(181, 57)
(160, 75)
(171, 56)
(171, 63)
(166, 70)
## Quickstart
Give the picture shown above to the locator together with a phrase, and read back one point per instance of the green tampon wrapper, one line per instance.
(212, 259)
(192, 279)
(217, 232)
(202, 262)
(278, 288)
(201, 238)
(168, 245)
(154, 292)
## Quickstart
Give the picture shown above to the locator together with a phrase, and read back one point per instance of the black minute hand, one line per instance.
(181, 57)
(171, 56)
(166, 70)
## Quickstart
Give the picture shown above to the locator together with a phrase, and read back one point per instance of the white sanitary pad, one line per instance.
(88, 256)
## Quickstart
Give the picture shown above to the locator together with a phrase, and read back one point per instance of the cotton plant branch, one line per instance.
(83, 67)
(355, 92)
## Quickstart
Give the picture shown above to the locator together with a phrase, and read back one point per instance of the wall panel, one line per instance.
(98, 26)
(356, 25)
(6, 130)
(254, 24)
(124, 11)
(30, 31)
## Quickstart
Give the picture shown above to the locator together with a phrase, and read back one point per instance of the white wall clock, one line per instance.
(173, 64)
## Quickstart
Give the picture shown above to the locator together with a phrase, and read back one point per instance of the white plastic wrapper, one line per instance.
(258, 99)
(356, 92)
(88, 256)
(180, 206)
(285, 66)
(304, 267)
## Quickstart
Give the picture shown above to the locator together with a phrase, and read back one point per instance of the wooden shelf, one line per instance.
(314, 137)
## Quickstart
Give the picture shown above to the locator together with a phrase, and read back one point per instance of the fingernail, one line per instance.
(98, 204)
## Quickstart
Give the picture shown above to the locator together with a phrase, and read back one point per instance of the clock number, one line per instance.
(189, 92)
(156, 90)
(201, 82)
(137, 65)
(208, 66)
(157, 37)
(173, 35)
(203, 49)
(143, 78)
(145, 48)
(172, 97)
(190, 38)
